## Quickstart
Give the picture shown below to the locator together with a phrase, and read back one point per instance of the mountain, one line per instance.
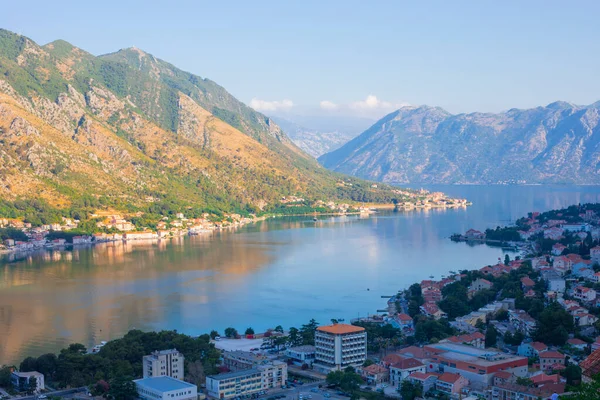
(322, 136)
(559, 143)
(131, 132)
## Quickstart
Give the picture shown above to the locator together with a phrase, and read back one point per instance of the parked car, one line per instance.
(326, 395)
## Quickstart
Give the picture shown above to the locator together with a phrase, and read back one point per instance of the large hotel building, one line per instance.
(339, 346)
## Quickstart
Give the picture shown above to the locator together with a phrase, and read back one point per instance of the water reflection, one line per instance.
(282, 271)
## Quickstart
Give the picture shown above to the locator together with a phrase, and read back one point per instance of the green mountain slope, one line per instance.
(132, 132)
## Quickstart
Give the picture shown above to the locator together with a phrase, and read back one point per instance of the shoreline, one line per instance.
(369, 209)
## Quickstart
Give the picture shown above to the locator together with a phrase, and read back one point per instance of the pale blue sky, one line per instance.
(463, 56)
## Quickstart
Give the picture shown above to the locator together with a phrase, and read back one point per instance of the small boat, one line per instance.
(315, 219)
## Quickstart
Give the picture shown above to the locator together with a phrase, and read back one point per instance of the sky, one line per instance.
(348, 57)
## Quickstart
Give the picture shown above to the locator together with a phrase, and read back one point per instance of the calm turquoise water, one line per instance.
(282, 271)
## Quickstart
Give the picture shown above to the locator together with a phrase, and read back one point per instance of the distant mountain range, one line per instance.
(559, 143)
(317, 135)
(129, 131)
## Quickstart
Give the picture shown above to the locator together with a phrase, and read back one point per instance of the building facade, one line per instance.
(339, 346)
(165, 388)
(22, 381)
(301, 354)
(234, 384)
(164, 363)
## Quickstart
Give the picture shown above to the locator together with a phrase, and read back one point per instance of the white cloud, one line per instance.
(373, 103)
(328, 105)
(264, 105)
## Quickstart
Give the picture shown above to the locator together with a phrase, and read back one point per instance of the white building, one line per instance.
(338, 346)
(301, 354)
(22, 380)
(165, 388)
(164, 363)
(234, 384)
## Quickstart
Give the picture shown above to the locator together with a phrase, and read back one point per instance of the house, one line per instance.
(375, 374)
(543, 379)
(596, 344)
(562, 264)
(582, 227)
(474, 234)
(558, 249)
(392, 359)
(451, 383)
(522, 321)
(477, 285)
(401, 370)
(585, 319)
(301, 354)
(476, 339)
(22, 381)
(432, 310)
(427, 380)
(82, 239)
(595, 254)
(527, 283)
(531, 349)
(556, 285)
(405, 321)
(584, 294)
(550, 358)
(577, 343)
(590, 366)
(503, 377)
(595, 278)
(553, 233)
(514, 391)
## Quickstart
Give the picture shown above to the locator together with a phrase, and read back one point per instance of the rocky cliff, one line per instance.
(559, 143)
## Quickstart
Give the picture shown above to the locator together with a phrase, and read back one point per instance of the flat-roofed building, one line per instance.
(477, 365)
(301, 354)
(163, 363)
(165, 388)
(22, 381)
(238, 360)
(234, 384)
(339, 346)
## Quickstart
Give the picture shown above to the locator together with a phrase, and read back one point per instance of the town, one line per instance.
(521, 328)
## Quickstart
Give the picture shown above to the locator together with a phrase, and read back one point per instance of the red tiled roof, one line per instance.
(392, 358)
(375, 369)
(407, 363)
(576, 342)
(449, 377)
(591, 365)
(545, 378)
(413, 351)
(404, 317)
(338, 329)
(551, 354)
(539, 346)
(503, 374)
(527, 281)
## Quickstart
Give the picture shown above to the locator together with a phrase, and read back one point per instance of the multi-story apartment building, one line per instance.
(238, 360)
(248, 381)
(164, 363)
(165, 388)
(338, 346)
(234, 384)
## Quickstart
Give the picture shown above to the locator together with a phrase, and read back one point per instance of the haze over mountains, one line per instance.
(320, 134)
(132, 130)
(559, 143)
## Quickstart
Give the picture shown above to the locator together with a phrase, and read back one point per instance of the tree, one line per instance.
(195, 373)
(122, 388)
(32, 385)
(410, 391)
(307, 332)
(279, 329)
(502, 315)
(231, 332)
(334, 378)
(524, 381)
(506, 259)
(368, 362)
(249, 331)
(294, 337)
(573, 374)
(554, 325)
(214, 334)
(491, 336)
(587, 391)
(5, 379)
